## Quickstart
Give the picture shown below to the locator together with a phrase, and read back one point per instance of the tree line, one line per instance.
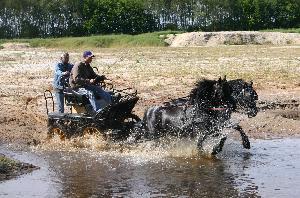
(57, 18)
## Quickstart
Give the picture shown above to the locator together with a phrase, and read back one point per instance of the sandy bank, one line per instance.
(194, 39)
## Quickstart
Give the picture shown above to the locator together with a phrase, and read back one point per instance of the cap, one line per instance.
(88, 54)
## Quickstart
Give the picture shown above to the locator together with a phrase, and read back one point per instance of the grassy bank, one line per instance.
(10, 168)
(289, 30)
(6, 165)
(155, 39)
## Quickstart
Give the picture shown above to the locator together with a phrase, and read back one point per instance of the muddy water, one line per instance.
(271, 168)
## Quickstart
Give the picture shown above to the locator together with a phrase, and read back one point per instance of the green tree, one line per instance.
(119, 16)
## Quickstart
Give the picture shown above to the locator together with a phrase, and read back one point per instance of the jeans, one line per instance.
(59, 95)
(93, 92)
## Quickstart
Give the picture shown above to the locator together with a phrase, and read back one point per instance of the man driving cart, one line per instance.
(84, 80)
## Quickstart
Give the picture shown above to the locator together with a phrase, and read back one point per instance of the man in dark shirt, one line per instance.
(83, 78)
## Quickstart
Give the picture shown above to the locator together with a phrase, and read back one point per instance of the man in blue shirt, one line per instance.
(61, 77)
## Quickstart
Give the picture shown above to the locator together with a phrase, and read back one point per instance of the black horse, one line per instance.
(203, 116)
(245, 98)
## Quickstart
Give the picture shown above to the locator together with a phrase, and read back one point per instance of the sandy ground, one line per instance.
(159, 74)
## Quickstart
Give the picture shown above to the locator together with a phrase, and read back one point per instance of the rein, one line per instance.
(166, 104)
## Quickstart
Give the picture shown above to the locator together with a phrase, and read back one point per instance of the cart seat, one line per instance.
(73, 97)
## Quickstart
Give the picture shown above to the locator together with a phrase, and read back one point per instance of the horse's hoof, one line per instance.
(212, 145)
(219, 146)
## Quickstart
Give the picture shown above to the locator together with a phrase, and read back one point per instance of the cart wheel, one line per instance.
(53, 131)
(93, 131)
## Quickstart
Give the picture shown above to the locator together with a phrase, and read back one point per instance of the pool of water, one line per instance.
(271, 168)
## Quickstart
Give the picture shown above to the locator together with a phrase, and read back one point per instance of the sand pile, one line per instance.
(193, 39)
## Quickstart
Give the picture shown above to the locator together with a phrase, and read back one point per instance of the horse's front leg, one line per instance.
(211, 142)
(245, 139)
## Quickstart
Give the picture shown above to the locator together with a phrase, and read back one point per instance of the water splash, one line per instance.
(145, 151)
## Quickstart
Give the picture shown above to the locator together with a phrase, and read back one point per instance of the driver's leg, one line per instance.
(103, 95)
(93, 101)
(99, 92)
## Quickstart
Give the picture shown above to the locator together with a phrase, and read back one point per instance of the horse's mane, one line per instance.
(237, 83)
(202, 91)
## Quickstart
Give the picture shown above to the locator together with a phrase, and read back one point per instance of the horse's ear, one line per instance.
(220, 79)
(224, 78)
(251, 82)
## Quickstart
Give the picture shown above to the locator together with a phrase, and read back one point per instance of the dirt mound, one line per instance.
(194, 39)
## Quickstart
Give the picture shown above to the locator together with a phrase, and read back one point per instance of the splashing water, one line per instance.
(147, 150)
(120, 170)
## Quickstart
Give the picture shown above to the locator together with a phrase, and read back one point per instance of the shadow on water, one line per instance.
(148, 170)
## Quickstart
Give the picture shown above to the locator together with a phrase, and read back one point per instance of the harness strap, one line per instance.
(217, 109)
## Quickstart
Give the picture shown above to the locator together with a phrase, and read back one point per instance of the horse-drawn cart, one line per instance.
(114, 120)
(202, 115)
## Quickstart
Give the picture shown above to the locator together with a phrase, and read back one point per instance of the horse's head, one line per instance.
(245, 96)
(212, 94)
